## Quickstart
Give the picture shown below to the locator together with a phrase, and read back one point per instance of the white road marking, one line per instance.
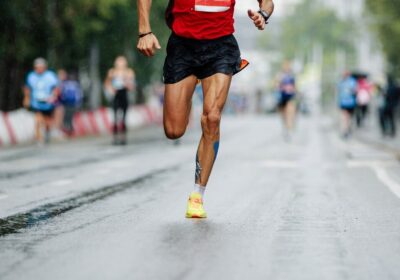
(379, 168)
(285, 164)
(384, 177)
(3, 196)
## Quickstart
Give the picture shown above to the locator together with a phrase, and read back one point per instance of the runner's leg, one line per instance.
(115, 120)
(216, 90)
(346, 121)
(124, 129)
(48, 122)
(290, 115)
(177, 106)
(285, 117)
(285, 113)
(38, 126)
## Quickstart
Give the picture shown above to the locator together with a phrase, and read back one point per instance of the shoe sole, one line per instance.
(195, 217)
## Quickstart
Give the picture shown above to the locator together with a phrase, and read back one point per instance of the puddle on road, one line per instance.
(15, 223)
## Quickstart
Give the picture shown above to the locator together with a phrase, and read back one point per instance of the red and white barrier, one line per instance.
(17, 127)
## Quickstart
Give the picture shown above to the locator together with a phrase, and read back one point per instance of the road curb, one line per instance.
(17, 127)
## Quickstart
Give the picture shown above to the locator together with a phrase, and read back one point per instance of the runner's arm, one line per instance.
(108, 82)
(147, 44)
(144, 7)
(55, 93)
(267, 5)
(257, 18)
(27, 97)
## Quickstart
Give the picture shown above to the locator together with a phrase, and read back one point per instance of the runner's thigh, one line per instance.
(216, 89)
(178, 101)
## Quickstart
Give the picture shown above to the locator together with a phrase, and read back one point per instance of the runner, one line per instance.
(71, 97)
(347, 102)
(119, 82)
(287, 99)
(202, 47)
(363, 97)
(40, 94)
(387, 108)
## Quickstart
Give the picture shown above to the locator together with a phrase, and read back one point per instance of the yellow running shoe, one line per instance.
(195, 208)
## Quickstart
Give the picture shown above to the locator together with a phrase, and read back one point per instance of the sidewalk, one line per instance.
(372, 135)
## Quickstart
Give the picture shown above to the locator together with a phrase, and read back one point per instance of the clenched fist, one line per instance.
(257, 19)
(148, 45)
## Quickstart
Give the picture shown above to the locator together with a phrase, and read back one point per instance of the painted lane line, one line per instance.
(379, 168)
(384, 177)
(3, 196)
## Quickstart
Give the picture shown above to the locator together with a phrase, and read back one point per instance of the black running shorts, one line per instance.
(46, 113)
(202, 58)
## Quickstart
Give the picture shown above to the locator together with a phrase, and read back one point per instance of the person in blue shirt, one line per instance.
(347, 88)
(71, 98)
(40, 95)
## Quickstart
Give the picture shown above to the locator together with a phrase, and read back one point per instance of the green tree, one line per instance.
(385, 16)
(313, 24)
(65, 33)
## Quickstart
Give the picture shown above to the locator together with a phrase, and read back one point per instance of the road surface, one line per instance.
(314, 208)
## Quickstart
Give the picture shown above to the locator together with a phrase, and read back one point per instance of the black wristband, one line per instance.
(265, 15)
(145, 34)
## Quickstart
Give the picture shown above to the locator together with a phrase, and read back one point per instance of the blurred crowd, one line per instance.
(356, 95)
(55, 98)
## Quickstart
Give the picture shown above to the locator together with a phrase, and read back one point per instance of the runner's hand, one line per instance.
(52, 99)
(148, 45)
(257, 19)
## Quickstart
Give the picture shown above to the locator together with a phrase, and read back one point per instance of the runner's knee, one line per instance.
(174, 132)
(211, 121)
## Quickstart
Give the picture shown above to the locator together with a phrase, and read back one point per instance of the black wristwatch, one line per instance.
(265, 15)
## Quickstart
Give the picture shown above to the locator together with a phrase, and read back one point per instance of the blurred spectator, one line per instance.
(287, 98)
(363, 97)
(347, 101)
(119, 82)
(389, 100)
(59, 108)
(40, 95)
(71, 98)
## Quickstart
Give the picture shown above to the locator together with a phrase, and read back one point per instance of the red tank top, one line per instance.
(201, 19)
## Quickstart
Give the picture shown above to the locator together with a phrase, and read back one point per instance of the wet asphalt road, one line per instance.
(314, 208)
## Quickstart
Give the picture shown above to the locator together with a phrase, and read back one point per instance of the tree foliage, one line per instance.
(386, 21)
(312, 24)
(63, 32)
